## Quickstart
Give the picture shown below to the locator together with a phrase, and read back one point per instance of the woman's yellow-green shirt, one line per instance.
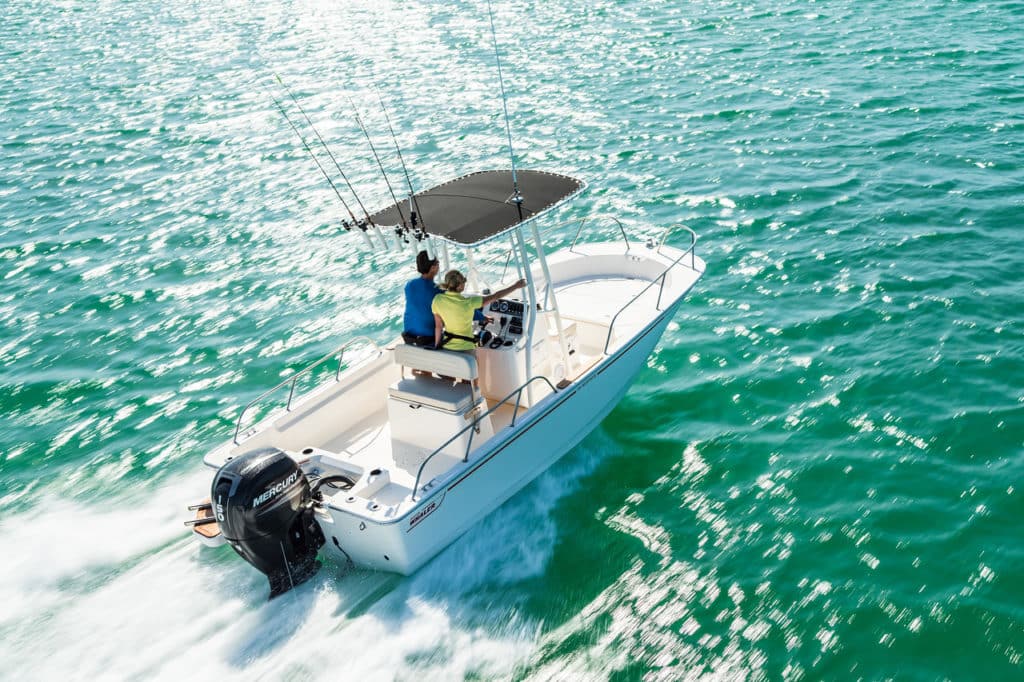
(456, 311)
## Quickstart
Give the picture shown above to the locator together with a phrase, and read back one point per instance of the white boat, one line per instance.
(382, 466)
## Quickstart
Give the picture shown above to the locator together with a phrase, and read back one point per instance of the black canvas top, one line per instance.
(478, 206)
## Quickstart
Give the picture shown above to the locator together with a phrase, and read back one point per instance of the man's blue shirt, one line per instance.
(419, 293)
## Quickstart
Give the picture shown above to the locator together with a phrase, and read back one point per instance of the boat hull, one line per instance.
(513, 458)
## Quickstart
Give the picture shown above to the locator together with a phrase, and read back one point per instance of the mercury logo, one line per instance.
(275, 489)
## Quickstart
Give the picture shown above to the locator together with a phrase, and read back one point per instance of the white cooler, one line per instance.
(424, 413)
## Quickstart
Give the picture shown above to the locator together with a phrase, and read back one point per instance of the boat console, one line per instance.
(509, 316)
(502, 360)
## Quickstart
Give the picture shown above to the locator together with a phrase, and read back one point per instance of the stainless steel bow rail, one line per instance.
(518, 393)
(660, 278)
(338, 352)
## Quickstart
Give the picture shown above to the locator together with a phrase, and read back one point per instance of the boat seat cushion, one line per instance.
(444, 362)
(432, 392)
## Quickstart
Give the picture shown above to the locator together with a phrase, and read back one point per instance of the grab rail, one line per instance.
(339, 351)
(664, 273)
(518, 393)
(507, 254)
(693, 240)
(583, 222)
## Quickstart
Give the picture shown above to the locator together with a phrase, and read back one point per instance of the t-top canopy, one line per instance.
(478, 206)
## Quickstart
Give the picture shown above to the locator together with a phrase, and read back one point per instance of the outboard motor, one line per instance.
(265, 510)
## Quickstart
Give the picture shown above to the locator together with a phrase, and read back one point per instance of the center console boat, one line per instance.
(402, 448)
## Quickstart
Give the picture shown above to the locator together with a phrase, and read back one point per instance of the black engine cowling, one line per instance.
(264, 507)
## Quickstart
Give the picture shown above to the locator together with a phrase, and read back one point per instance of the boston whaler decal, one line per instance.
(424, 513)
(275, 489)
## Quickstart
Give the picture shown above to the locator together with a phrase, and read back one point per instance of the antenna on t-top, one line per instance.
(517, 198)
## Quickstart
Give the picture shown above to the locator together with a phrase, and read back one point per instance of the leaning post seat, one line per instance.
(444, 362)
(426, 411)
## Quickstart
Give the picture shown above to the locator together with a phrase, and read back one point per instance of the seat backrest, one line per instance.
(444, 362)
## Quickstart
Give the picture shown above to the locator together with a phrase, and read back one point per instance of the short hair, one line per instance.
(453, 279)
(424, 262)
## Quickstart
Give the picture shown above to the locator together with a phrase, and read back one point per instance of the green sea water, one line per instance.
(818, 475)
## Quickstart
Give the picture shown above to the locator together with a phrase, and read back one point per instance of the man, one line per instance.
(453, 312)
(419, 293)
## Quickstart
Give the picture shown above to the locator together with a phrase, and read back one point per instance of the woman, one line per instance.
(453, 312)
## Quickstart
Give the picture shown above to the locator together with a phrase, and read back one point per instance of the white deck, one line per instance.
(594, 300)
(369, 447)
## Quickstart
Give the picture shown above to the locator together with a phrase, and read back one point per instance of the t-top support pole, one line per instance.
(550, 291)
(531, 308)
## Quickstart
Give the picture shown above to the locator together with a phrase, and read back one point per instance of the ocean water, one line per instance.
(819, 474)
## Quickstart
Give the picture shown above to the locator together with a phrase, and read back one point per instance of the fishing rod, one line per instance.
(360, 224)
(399, 231)
(517, 198)
(419, 233)
(344, 223)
